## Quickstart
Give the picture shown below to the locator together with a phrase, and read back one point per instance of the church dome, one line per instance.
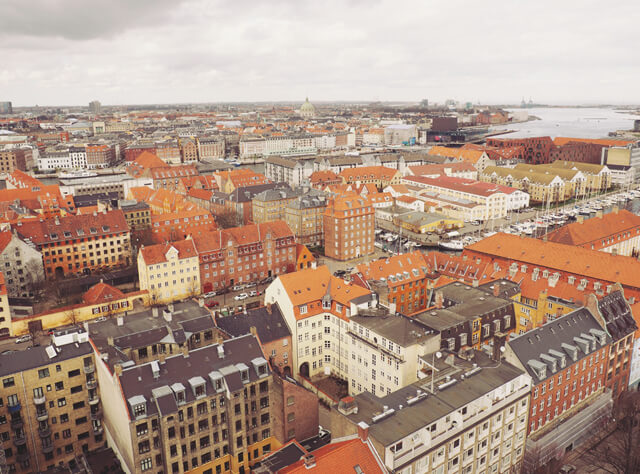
(307, 109)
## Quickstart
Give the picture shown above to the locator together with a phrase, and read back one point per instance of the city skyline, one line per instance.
(199, 52)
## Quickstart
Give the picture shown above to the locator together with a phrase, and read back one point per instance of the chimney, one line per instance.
(439, 299)
(154, 312)
(120, 321)
(269, 308)
(185, 351)
(166, 314)
(475, 283)
(118, 369)
(614, 251)
(201, 302)
(309, 461)
(580, 219)
(110, 340)
(363, 431)
(162, 357)
(499, 340)
(496, 288)
(253, 330)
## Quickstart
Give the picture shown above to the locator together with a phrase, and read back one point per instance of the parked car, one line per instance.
(100, 319)
(241, 296)
(25, 338)
(250, 285)
(238, 287)
(211, 294)
(212, 304)
(254, 293)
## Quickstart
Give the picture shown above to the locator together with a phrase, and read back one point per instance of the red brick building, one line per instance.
(566, 359)
(348, 225)
(405, 279)
(79, 244)
(99, 156)
(536, 150)
(245, 254)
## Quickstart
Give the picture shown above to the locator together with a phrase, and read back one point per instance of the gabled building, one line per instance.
(170, 271)
(21, 264)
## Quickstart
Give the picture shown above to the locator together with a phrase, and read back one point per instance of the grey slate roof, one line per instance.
(269, 326)
(139, 381)
(617, 314)
(34, 357)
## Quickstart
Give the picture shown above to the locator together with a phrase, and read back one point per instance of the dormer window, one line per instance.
(179, 393)
(244, 372)
(216, 380)
(138, 405)
(260, 366)
(198, 386)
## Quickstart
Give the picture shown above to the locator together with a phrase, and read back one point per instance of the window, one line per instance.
(8, 382)
(42, 373)
(146, 464)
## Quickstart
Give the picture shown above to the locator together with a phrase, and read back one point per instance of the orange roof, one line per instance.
(596, 229)
(436, 169)
(559, 141)
(380, 197)
(3, 287)
(102, 293)
(5, 238)
(564, 258)
(339, 458)
(154, 254)
(322, 176)
(396, 270)
(243, 235)
(470, 156)
(347, 203)
(311, 284)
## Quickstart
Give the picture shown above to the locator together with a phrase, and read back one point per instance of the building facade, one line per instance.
(348, 227)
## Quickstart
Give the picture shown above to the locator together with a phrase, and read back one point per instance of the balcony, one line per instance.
(20, 439)
(96, 414)
(39, 400)
(89, 369)
(47, 449)
(14, 408)
(97, 430)
(42, 415)
(92, 383)
(94, 400)
(17, 423)
(44, 432)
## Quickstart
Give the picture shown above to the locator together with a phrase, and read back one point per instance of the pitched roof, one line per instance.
(154, 254)
(5, 238)
(464, 185)
(573, 260)
(102, 293)
(268, 321)
(341, 457)
(558, 141)
(368, 172)
(396, 270)
(71, 226)
(596, 228)
(311, 284)
(242, 235)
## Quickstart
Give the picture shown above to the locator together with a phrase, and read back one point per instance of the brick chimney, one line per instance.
(496, 288)
(269, 308)
(309, 461)
(363, 431)
(185, 351)
(253, 330)
(118, 369)
(439, 299)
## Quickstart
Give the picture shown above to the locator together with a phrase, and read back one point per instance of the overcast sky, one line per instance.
(158, 51)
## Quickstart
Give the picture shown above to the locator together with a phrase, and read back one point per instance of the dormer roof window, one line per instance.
(539, 368)
(260, 366)
(198, 386)
(138, 405)
(244, 372)
(179, 392)
(217, 380)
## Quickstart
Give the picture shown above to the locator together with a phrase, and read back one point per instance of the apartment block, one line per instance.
(245, 254)
(12, 159)
(51, 408)
(470, 419)
(169, 271)
(21, 264)
(348, 227)
(208, 408)
(210, 147)
(305, 217)
(270, 205)
(79, 244)
(5, 310)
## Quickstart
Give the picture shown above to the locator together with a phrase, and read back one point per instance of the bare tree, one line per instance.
(537, 461)
(227, 219)
(72, 315)
(617, 451)
(34, 328)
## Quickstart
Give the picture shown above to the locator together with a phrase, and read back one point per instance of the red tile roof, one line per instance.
(154, 254)
(596, 229)
(5, 238)
(339, 458)
(402, 268)
(102, 293)
(243, 235)
(470, 186)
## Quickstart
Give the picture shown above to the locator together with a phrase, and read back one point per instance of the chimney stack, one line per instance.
(120, 321)
(309, 461)
(496, 288)
(439, 299)
(253, 330)
(185, 351)
(363, 431)
(269, 308)
(110, 340)
(154, 311)
(118, 369)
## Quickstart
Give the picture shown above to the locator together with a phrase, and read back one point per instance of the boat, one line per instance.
(451, 245)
